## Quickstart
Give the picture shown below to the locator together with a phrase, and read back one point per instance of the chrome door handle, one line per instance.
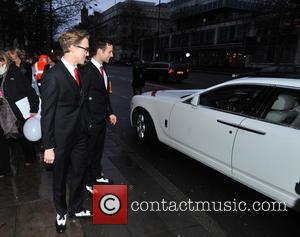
(241, 127)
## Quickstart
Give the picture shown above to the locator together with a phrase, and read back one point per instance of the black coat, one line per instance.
(62, 102)
(98, 100)
(16, 87)
(137, 76)
(26, 69)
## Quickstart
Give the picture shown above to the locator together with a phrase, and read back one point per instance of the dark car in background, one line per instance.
(286, 71)
(163, 71)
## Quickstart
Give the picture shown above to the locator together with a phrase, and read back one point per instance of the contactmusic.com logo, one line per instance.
(110, 204)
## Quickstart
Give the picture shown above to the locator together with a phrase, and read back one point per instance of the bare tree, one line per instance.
(42, 19)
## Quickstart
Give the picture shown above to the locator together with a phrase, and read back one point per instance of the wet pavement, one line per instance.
(26, 206)
(151, 173)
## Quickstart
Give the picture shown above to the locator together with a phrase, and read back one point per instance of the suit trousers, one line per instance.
(71, 161)
(95, 150)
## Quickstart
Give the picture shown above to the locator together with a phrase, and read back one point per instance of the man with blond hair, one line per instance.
(63, 131)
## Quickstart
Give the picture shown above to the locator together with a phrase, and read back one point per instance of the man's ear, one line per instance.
(71, 48)
(99, 51)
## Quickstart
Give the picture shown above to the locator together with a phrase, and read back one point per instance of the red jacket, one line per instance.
(39, 66)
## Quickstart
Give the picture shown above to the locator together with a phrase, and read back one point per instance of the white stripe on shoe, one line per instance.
(89, 189)
(102, 180)
(61, 220)
(85, 213)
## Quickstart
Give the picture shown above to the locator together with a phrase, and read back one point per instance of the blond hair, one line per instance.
(71, 37)
(4, 58)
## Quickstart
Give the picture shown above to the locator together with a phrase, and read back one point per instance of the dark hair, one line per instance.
(97, 43)
(53, 57)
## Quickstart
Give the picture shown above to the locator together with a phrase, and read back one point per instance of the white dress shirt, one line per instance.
(69, 67)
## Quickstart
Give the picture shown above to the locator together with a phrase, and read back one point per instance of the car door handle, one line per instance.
(241, 127)
(253, 130)
(228, 123)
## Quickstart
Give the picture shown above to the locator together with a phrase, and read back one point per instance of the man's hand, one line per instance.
(112, 119)
(49, 156)
(32, 115)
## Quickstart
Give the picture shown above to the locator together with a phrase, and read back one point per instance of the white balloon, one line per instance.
(32, 129)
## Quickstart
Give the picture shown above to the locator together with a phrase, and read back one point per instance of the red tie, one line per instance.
(102, 71)
(76, 76)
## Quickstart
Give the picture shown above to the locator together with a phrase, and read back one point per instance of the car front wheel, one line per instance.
(144, 127)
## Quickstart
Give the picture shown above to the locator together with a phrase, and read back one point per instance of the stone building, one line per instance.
(126, 23)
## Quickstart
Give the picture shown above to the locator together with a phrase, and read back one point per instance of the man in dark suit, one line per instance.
(96, 84)
(64, 135)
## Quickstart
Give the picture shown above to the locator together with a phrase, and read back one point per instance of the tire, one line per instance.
(144, 127)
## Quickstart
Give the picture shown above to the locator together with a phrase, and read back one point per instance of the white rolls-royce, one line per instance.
(247, 128)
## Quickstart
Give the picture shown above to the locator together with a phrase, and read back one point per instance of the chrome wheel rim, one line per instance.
(140, 126)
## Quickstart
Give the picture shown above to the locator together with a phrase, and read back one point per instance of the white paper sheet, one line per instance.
(24, 107)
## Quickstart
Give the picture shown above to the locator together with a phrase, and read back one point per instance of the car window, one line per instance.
(159, 65)
(236, 99)
(286, 69)
(284, 108)
(269, 69)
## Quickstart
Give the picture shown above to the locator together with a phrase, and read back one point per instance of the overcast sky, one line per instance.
(105, 4)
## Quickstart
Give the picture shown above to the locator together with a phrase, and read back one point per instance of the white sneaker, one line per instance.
(89, 189)
(103, 180)
(84, 213)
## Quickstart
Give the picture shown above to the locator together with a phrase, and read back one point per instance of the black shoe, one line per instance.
(60, 223)
(81, 214)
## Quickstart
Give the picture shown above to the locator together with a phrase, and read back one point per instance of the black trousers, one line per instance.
(95, 150)
(73, 162)
(27, 146)
(4, 157)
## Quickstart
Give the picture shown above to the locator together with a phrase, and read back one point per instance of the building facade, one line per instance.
(226, 33)
(126, 23)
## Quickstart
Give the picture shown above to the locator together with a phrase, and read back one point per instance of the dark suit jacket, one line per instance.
(98, 101)
(16, 87)
(62, 101)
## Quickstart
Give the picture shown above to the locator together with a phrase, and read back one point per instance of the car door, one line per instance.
(206, 131)
(266, 154)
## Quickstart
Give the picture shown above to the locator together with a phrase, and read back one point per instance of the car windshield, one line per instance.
(179, 64)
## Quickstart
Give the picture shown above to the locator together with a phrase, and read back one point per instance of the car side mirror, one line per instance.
(195, 100)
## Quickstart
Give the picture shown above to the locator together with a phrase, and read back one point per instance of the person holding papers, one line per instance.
(14, 87)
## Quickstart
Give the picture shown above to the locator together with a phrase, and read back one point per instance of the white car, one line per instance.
(247, 128)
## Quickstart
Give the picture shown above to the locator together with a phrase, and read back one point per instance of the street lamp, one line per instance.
(158, 19)
(158, 28)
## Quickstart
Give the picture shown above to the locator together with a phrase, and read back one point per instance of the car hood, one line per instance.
(175, 94)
